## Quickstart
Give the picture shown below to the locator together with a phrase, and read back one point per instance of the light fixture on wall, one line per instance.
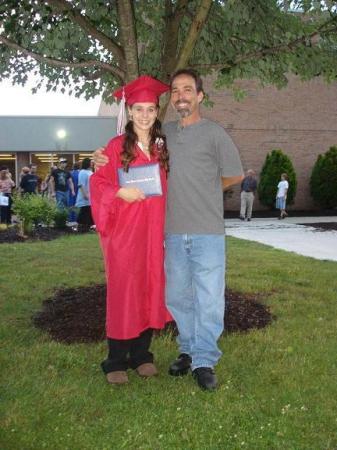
(61, 133)
(61, 142)
(6, 156)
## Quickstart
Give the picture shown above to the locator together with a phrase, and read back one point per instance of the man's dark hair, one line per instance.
(191, 73)
(76, 166)
(3, 168)
(86, 163)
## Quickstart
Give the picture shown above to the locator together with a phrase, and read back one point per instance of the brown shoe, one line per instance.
(117, 377)
(147, 370)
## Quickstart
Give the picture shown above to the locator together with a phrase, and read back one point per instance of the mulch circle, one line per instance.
(11, 236)
(77, 315)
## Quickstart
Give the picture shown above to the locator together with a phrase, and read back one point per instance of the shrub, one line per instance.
(33, 209)
(323, 180)
(275, 164)
(60, 218)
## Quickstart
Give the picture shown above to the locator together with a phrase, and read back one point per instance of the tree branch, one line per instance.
(193, 33)
(283, 48)
(75, 16)
(59, 63)
(311, 38)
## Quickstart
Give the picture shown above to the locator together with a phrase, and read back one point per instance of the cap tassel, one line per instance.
(121, 119)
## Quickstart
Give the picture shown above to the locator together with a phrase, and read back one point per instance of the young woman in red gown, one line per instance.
(131, 228)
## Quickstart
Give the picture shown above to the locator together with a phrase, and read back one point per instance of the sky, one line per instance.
(19, 101)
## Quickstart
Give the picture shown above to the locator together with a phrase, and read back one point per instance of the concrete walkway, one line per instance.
(288, 235)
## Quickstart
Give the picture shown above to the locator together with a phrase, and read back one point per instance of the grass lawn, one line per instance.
(277, 390)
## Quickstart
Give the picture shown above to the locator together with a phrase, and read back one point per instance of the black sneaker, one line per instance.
(242, 218)
(205, 377)
(181, 365)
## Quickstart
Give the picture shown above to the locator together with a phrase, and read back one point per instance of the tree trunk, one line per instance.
(126, 20)
(171, 35)
(187, 49)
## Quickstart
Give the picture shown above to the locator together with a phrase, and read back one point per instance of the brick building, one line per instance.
(300, 119)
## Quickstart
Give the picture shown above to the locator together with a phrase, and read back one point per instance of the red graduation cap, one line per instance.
(143, 89)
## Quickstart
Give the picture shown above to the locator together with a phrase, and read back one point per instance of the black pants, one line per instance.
(6, 211)
(84, 219)
(128, 352)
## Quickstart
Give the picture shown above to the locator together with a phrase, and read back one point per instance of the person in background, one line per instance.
(72, 198)
(84, 218)
(92, 165)
(131, 229)
(46, 188)
(6, 186)
(29, 183)
(61, 183)
(24, 171)
(248, 189)
(281, 195)
(33, 170)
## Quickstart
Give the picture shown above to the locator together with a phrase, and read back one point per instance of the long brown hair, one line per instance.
(156, 137)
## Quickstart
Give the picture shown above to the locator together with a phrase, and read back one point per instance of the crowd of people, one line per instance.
(68, 188)
(72, 192)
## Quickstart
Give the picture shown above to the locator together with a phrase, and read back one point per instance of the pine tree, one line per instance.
(323, 181)
(275, 164)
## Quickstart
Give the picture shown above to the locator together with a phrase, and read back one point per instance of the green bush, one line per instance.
(33, 209)
(323, 180)
(275, 164)
(60, 218)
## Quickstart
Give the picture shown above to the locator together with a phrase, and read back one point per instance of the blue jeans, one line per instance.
(72, 210)
(195, 284)
(62, 199)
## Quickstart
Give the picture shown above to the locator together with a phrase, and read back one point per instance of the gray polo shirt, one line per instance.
(200, 154)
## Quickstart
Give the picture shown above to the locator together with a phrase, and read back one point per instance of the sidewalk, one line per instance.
(288, 235)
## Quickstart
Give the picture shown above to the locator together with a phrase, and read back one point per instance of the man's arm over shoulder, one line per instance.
(102, 155)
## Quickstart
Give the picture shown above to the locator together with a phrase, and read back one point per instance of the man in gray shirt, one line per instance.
(203, 161)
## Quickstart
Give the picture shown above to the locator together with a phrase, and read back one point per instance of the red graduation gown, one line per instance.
(132, 240)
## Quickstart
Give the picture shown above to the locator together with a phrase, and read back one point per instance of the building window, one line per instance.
(44, 162)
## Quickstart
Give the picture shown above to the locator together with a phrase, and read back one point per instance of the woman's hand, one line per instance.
(131, 195)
